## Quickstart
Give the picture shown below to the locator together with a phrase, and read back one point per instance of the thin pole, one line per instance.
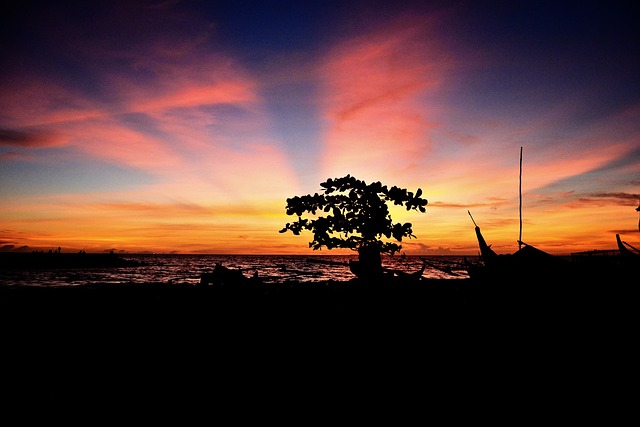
(474, 223)
(520, 195)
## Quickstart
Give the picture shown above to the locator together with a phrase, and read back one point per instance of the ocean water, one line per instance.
(186, 269)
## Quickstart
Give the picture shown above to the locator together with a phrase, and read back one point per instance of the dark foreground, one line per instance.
(520, 349)
(413, 304)
(322, 347)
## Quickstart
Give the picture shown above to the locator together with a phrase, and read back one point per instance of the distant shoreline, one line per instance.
(40, 260)
(314, 254)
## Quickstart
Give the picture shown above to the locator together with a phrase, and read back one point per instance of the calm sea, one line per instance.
(183, 268)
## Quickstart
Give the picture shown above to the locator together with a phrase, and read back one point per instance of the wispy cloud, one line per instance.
(25, 139)
(375, 86)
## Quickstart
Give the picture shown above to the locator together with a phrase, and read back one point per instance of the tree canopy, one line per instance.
(357, 215)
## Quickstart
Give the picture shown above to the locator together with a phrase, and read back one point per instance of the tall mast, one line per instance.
(520, 195)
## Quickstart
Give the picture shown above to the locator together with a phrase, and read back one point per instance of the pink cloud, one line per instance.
(36, 101)
(374, 100)
(110, 140)
(198, 80)
(194, 96)
(39, 113)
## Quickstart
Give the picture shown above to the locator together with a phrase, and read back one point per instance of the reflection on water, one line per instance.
(270, 268)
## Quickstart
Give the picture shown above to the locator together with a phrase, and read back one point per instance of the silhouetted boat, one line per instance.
(626, 249)
(532, 265)
(526, 264)
(609, 265)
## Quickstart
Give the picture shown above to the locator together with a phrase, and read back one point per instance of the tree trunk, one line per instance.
(369, 264)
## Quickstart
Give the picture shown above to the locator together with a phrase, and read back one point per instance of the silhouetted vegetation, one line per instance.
(357, 218)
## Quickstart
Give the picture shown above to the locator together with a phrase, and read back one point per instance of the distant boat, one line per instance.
(622, 263)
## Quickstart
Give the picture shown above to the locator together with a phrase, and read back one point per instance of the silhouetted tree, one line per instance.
(358, 219)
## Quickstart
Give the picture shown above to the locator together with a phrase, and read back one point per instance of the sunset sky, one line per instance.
(185, 125)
